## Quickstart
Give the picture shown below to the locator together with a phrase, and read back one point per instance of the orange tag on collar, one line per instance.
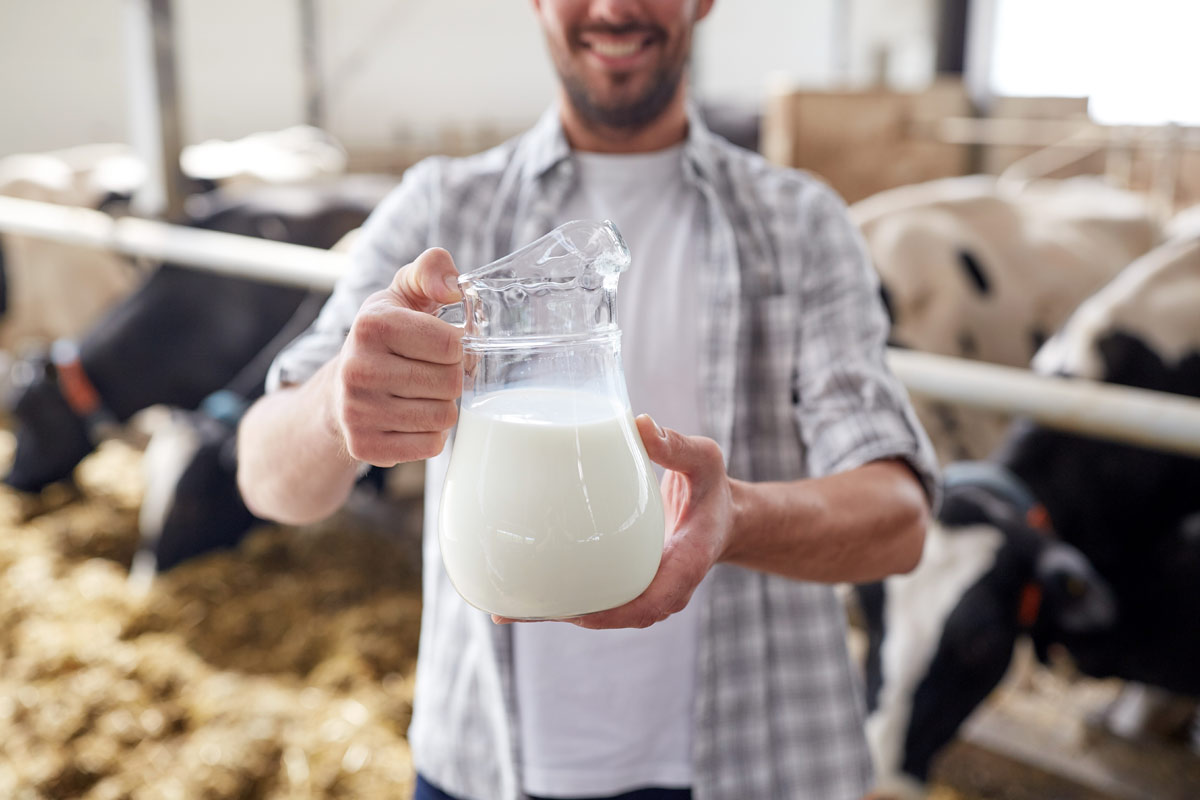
(77, 388)
(1038, 518)
(1029, 605)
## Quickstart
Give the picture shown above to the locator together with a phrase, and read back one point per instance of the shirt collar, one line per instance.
(547, 147)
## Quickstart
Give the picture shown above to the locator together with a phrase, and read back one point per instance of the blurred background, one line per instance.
(1009, 162)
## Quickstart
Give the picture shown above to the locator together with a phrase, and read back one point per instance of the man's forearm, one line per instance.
(856, 526)
(292, 464)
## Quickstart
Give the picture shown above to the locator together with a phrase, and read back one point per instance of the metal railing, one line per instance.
(1135, 416)
(224, 253)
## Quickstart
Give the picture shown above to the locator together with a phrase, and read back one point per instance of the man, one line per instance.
(750, 316)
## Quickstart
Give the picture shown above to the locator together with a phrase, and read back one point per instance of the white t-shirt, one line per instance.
(603, 712)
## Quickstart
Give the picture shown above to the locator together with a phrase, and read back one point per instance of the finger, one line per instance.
(385, 449)
(694, 456)
(428, 282)
(409, 333)
(373, 378)
(424, 381)
(639, 613)
(406, 415)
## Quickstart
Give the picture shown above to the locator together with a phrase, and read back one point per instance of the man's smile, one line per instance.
(619, 50)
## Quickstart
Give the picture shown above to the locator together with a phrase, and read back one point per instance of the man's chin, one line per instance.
(628, 120)
(626, 112)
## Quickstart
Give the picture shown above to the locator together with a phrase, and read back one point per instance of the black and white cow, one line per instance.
(1132, 511)
(976, 268)
(183, 334)
(941, 638)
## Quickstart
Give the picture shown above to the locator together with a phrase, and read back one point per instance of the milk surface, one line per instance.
(550, 507)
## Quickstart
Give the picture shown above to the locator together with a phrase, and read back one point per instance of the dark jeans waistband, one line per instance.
(427, 791)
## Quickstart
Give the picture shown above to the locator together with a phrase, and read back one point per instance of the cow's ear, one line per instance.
(976, 275)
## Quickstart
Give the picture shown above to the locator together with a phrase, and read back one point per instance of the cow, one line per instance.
(183, 335)
(976, 268)
(1130, 510)
(1131, 513)
(940, 638)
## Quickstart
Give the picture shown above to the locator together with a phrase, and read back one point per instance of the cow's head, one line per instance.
(51, 437)
(942, 637)
(932, 288)
(192, 504)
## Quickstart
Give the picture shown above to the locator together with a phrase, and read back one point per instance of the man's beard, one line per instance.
(631, 116)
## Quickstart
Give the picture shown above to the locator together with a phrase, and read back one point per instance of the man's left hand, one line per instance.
(698, 505)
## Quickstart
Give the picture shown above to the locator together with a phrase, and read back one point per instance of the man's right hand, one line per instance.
(400, 370)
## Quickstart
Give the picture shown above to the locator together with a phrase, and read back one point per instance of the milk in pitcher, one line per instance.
(550, 508)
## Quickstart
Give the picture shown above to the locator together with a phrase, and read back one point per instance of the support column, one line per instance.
(154, 107)
(310, 61)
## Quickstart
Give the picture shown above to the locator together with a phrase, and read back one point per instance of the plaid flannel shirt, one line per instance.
(794, 385)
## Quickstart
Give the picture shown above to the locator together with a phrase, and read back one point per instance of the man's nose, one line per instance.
(616, 11)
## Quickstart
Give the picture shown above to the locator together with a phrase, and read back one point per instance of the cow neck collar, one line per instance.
(82, 396)
(1004, 482)
(225, 406)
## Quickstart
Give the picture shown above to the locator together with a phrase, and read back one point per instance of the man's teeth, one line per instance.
(616, 49)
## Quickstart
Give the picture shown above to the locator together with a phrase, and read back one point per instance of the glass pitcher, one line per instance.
(550, 507)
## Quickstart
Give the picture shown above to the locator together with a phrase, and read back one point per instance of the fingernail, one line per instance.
(452, 283)
(659, 431)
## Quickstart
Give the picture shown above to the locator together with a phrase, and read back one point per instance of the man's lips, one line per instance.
(618, 50)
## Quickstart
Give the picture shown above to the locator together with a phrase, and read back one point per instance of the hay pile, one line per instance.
(283, 670)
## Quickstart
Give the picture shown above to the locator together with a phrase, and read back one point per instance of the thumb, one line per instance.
(694, 456)
(428, 282)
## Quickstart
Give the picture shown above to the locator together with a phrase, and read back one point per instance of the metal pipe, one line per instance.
(1134, 416)
(223, 253)
(1054, 133)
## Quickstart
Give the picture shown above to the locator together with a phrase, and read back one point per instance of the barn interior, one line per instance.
(180, 186)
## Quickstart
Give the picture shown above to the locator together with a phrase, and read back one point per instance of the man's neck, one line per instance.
(669, 128)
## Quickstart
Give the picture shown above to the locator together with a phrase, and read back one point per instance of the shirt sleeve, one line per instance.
(852, 410)
(395, 234)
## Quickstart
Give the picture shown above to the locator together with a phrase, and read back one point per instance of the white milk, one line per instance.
(550, 507)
